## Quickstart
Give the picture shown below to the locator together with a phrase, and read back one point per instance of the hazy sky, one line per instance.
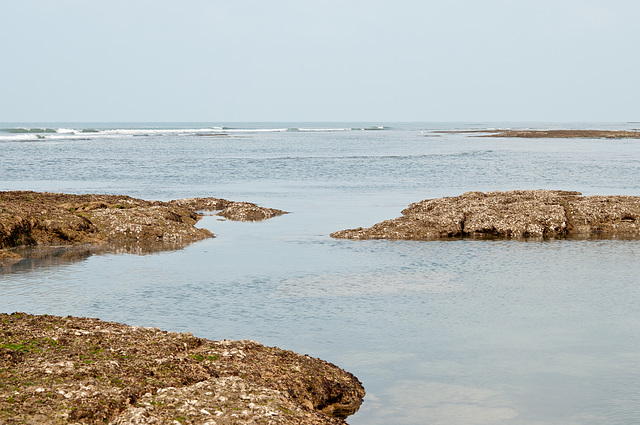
(328, 60)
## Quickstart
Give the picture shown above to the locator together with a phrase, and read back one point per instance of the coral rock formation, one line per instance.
(511, 214)
(64, 370)
(34, 218)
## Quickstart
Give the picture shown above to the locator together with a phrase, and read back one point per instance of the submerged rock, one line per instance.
(56, 370)
(511, 214)
(34, 218)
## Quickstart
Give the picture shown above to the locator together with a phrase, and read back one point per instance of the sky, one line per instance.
(328, 60)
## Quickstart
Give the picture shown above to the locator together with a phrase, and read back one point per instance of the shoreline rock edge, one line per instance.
(517, 214)
(42, 218)
(57, 370)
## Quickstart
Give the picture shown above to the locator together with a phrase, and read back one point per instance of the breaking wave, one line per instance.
(22, 130)
(47, 133)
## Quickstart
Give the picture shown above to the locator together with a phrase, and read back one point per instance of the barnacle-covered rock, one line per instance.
(510, 214)
(64, 370)
(40, 218)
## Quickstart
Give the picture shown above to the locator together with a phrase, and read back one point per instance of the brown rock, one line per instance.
(245, 211)
(8, 257)
(33, 218)
(552, 134)
(237, 211)
(56, 370)
(512, 214)
(567, 134)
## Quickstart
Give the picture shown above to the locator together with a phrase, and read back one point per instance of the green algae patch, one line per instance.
(62, 370)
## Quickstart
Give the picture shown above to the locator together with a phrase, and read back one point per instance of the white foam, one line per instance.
(255, 130)
(71, 133)
(325, 129)
(18, 137)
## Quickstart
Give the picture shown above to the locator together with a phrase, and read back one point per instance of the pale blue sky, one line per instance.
(329, 60)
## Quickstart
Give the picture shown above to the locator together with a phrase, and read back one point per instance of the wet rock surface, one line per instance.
(63, 370)
(35, 218)
(237, 211)
(510, 214)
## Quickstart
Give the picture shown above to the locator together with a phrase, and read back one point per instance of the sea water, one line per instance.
(439, 332)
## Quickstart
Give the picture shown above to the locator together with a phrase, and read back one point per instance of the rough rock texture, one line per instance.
(512, 214)
(238, 211)
(33, 218)
(56, 370)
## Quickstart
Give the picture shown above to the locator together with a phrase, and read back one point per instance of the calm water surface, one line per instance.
(451, 332)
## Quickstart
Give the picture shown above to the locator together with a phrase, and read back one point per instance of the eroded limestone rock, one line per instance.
(34, 218)
(511, 214)
(63, 370)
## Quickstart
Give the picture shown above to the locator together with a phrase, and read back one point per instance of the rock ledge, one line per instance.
(41, 218)
(511, 214)
(56, 370)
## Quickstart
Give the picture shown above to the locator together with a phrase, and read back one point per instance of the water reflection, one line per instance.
(361, 284)
(36, 257)
(413, 401)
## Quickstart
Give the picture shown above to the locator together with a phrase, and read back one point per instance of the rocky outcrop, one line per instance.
(238, 211)
(56, 370)
(34, 218)
(567, 134)
(553, 134)
(512, 214)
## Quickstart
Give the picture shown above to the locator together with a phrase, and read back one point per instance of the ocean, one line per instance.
(439, 332)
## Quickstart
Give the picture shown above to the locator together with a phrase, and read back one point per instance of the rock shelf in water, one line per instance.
(553, 134)
(511, 214)
(41, 218)
(64, 370)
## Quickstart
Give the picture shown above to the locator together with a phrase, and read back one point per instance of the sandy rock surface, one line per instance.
(64, 370)
(511, 214)
(34, 218)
